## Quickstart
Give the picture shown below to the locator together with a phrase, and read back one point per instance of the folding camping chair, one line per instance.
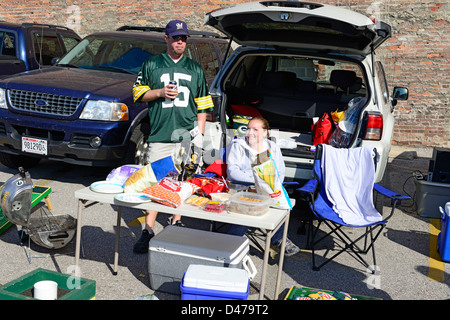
(321, 204)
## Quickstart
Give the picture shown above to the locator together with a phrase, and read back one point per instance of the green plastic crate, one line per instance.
(4, 223)
(21, 288)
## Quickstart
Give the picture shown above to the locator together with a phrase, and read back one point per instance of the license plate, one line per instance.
(37, 146)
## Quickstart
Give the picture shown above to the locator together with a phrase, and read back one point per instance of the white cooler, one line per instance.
(175, 248)
(202, 282)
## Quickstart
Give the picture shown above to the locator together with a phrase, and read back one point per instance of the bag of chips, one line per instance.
(150, 175)
(170, 192)
(267, 181)
(208, 185)
(122, 173)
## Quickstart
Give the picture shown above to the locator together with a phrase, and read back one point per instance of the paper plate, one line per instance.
(132, 197)
(106, 187)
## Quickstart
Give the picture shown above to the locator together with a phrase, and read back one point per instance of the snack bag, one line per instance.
(267, 181)
(122, 173)
(208, 185)
(170, 192)
(321, 296)
(150, 175)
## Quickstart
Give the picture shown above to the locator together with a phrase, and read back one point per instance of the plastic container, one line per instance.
(429, 196)
(444, 235)
(202, 282)
(174, 249)
(220, 196)
(214, 206)
(249, 203)
(235, 188)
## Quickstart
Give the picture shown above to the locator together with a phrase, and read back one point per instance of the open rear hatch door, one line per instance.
(303, 25)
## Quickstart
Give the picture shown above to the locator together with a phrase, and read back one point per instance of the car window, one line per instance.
(190, 51)
(113, 53)
(382, 81)
(69, 42)
(304, 68)
(319, 71)
(208, 59)
(326, 69)
(46, 47)
(8, 43)
(223, 49)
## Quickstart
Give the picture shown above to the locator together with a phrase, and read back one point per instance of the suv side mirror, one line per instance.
(55, 61)
(400, 93)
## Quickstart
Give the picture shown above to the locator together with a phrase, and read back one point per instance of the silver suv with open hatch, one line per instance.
(297, 61)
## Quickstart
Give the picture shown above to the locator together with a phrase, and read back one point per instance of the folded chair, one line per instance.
(340, 196)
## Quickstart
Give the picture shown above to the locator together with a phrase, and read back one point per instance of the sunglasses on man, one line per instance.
(178, 38)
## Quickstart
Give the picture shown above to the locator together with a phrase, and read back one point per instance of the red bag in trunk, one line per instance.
(323, 129)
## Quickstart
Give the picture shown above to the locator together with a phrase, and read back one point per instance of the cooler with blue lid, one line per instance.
(444, 235)
(174, 249)
(202, 282)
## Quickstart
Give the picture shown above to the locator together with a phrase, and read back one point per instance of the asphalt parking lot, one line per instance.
(409, 266)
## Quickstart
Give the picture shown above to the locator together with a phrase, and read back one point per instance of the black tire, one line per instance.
(138, 145)
(15, 161)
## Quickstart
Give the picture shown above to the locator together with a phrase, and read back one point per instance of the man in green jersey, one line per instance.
(175, 112)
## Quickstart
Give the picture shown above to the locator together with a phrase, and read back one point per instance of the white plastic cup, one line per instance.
(46, 290)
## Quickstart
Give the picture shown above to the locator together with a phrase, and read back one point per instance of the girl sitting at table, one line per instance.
(241, 154)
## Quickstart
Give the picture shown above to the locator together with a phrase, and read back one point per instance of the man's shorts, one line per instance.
(157, 151)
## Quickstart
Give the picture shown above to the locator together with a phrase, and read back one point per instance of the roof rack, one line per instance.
(161, 29)
(49, 26)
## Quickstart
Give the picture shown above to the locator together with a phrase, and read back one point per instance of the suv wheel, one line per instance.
(15, 161)
(137, 147)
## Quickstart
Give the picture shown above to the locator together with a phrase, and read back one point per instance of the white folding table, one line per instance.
(270, 221)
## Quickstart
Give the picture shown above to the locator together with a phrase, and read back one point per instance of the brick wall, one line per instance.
(417, 55)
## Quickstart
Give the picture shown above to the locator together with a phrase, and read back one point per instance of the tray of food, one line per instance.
(220, 196)
(249, 203)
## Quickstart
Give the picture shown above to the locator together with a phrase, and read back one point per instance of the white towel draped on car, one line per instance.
(349, 176)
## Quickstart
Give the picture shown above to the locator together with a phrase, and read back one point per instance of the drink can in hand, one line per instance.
(173, 83)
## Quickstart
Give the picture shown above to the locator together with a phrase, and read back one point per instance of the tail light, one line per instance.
(374, 127)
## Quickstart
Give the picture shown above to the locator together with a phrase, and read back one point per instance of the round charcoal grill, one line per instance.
(39, 223)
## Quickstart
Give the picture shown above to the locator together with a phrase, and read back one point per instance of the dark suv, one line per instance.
(81, 110)
(30, 46)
